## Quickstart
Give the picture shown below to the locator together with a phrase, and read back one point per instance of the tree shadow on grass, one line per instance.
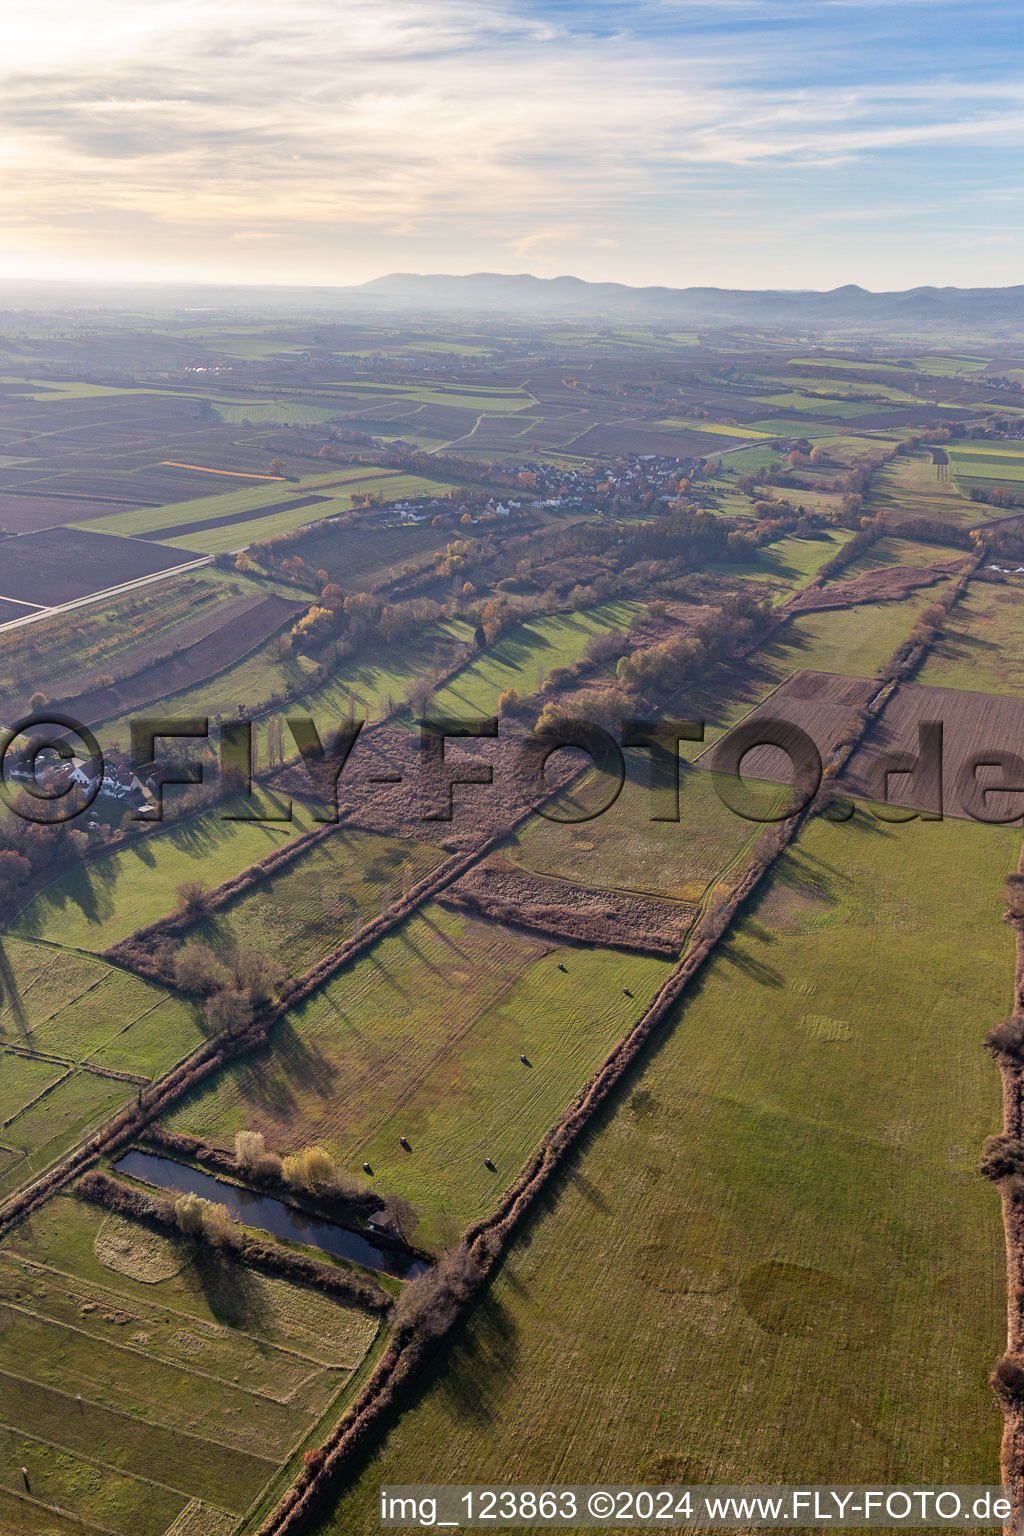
(230, 1289)
(212, 930)
(765, 975)
(863, 821)
(10, 993)
(481, 1361)
(299, 1070)
(86, 886)
(803, 873)
(588, 1189)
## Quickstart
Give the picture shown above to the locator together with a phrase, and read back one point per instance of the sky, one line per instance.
(737, 143)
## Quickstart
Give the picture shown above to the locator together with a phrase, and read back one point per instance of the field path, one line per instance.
(98, 597)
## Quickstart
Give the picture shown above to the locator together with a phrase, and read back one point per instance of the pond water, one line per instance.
(270, 1215)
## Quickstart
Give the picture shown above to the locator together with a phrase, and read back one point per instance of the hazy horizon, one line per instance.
(257, 285)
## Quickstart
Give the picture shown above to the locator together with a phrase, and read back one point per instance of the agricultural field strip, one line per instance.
(162, 1308)
(282, 1426)
(31, 1438)
(20, 1501)
(147, 1353)
(252, 499)
(258, 623)
(100, 981)
(154, 614)
(23, 1109)
(177, 1431)
(104, 596)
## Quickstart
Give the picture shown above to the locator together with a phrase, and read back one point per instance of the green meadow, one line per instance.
(422, 1037)
(99, 902)
(525, 656)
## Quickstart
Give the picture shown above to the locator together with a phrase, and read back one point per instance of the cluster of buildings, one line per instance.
(109, 778)
(541, 486)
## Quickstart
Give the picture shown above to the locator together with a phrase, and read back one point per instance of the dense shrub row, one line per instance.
(1002, 1161)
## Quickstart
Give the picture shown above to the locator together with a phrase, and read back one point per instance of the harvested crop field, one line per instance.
(10, 611)
(60, 564)
(571, 913)
(782, 1222)
(887, 584)
(27, 514)
(974, 726)
(422, 1037)
(141, 1373)
(816, 703)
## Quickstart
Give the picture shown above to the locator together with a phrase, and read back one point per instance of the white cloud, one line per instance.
(242, 120)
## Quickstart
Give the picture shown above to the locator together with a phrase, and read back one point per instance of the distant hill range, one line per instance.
(984, 309)
(980, 311)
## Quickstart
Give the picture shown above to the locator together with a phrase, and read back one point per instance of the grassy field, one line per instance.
(782, 1224)
(96, 904)
(910, 487)
(945, 367)
(982, 460)
(625, 850)
(392, 488)
(982, 646)
(790, 563)
(524, 657)
(716, 428)
(844, 410)
(985, 466)
(892, 551)
(855, 641)
(324, 897)
(422, 1037)
(66, 1020)
(140, 1373)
